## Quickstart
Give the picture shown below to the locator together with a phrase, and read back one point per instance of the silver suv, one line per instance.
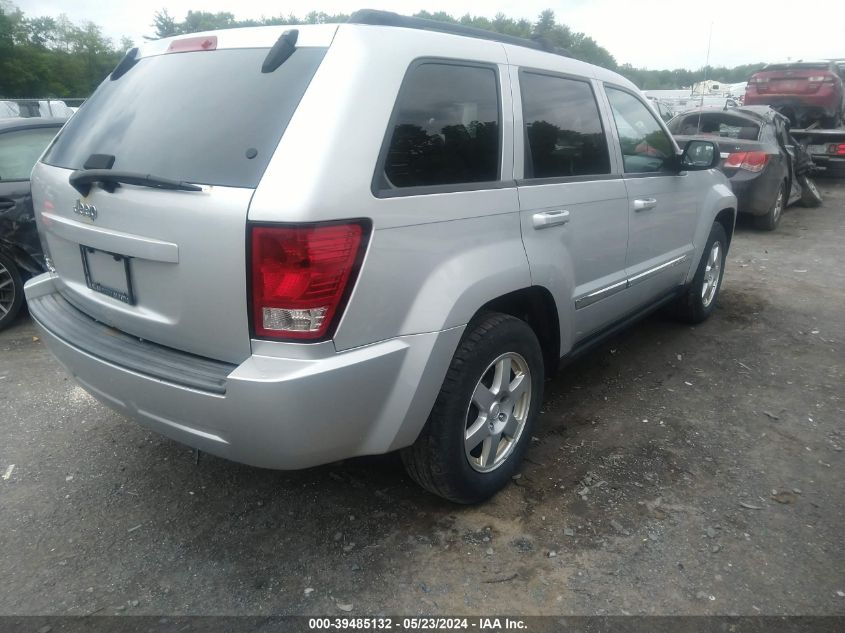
(289, 247)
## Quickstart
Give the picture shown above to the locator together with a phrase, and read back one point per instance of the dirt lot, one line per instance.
(676, 470)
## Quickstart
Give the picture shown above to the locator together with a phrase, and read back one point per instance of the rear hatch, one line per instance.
(161, 263)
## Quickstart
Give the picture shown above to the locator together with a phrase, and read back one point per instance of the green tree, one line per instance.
(51, 56)
(164, 25)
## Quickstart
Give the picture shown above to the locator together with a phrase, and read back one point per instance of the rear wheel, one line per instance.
(770, 221)
(480, 426)
(810, 196)
(699, 300)
(11, 291)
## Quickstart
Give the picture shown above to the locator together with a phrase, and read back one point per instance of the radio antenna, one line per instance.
(704, 83)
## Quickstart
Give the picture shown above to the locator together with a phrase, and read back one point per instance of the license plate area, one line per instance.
(108, 273)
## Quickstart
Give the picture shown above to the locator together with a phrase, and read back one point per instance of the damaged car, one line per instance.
(803, 91)
(22, 141)
(767, 168)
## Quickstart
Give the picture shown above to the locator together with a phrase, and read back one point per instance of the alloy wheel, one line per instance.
(7, 291)
(778, 209)
(712, 274)
(497, 412)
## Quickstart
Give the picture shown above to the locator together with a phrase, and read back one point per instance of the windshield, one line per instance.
(209, 117)
(715, 124)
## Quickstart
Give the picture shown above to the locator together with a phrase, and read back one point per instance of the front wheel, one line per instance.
(480, 426)
(810, 196)
(11, 291)
(699, 299)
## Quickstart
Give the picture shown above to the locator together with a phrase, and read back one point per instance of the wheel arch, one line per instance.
(727, 218)
(719, 204)
(536, 306)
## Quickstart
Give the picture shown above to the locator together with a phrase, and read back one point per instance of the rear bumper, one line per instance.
(271, 412)
(831, 163)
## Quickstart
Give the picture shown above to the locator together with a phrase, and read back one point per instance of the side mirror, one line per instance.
(699, 155)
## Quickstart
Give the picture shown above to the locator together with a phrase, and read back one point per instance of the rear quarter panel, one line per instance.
(433, 260)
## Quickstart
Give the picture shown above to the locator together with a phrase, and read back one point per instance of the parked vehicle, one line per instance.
(804, 91)
(34, 108)
(818, 123)
(412, 227)
(768, 169)
(826, 146)
(21, 143)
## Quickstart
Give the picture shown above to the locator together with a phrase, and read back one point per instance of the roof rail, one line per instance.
(388, 18)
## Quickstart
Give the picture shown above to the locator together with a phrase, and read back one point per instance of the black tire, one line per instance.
(438, 461)
(11, 292)
(810, 196)
(770, 221)
(691, 307)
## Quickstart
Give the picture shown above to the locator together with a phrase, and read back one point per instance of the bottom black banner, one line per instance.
(487, 624)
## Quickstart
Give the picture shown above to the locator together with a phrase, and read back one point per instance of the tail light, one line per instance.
(837, 149)
(301, 277)
(749, 161)
(758, 80)
(820, 78)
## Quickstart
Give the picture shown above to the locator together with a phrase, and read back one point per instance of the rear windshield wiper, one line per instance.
(82, 179)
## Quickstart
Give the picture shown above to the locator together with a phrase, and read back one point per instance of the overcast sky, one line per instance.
(647, 33)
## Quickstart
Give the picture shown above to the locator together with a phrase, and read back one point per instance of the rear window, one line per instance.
(208, 117)
(445, 128)
(715, 124)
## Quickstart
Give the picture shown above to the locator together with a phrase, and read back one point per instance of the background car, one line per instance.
(22, 141)
(662, 108)
(767, 169)
(802, 91)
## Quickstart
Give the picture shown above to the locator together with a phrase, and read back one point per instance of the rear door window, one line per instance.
(563, 130)
(445, 129)
(208, 117)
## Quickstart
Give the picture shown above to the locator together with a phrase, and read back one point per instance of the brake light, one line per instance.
(300, 277)
(837, 149)
(758, 80)
(749, 161)
(820, 78)
(190, 44)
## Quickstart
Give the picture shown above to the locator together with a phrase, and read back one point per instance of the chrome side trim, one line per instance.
(598, 295)
(602, 293)
(653, 271)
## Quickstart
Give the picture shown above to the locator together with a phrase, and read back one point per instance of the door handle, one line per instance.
(642, 204)
(6, 203)
(546, 219)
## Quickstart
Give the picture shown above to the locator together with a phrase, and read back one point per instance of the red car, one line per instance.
(802, 91)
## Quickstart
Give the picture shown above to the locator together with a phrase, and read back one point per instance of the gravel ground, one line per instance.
(676, 470)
